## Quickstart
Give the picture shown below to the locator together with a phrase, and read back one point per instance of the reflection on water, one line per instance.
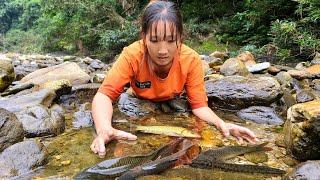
(69, 153)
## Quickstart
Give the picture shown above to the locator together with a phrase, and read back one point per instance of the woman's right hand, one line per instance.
(104, 136)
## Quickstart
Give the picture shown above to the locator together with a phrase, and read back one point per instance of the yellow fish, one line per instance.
(168, 130)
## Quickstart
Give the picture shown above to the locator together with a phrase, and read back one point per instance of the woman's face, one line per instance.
(162, 43)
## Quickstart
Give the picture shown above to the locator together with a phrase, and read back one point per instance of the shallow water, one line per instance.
(69, 153)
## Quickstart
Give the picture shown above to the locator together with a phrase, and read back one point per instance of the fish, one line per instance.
(167, 130)
(156, 166)
(214, 158)
(117, 166)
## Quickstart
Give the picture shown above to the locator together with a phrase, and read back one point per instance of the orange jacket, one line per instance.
(186, 73)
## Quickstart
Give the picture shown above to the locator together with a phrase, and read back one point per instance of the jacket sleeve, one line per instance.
(118, 76)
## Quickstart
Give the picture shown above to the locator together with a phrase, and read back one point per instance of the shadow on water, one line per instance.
(69, 153)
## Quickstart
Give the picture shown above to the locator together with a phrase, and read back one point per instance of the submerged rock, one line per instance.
(260, 115)
(134, 107)
(18, 103)
(302, 132)
(305, 170)
(237, 92)
(11, 130)
(83, 117)
(21, 158)
(41, 121)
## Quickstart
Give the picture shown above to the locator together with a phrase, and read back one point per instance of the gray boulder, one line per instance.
(302, 132)
(41, 121)
(234, 66)
(255, 68)
(308, 170)
(238, 92)
(21, 158)
(6, 74)
(260, 115)
(11, 130)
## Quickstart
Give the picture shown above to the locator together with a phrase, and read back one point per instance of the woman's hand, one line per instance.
(104, 136)
(238, 131)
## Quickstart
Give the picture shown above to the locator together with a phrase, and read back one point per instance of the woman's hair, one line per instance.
(165, 11)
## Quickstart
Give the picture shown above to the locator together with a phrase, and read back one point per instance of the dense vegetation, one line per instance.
(100, 28)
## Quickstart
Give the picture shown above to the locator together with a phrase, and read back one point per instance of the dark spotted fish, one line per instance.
(215, 158)
(157, 166)
(115, 167)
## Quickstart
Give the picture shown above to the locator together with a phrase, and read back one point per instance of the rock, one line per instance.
(234, 66)
(304, 96)
(205, 57)
(95, 64)
(238, 92)
(306, 170)
(205, 67)
(40, 121)
(298, 74)
(69, 58)
(302, 66)
(98, 78)
(258, 67)
(6, 74)
(68, 70)
(302, 132)
(83, 117)
(287, 97)
(316, 59)
(219, 54)
(284, 78)
(11, 130)
(247, 58)
(60, 87)
(18, 103)
(260, 115)
(273, 70)
(283, 68)
(316, 84)
(313, 71)
(21, 158)
(135, 107)
(80, 94)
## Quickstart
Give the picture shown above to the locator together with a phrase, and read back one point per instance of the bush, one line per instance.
(21, 41)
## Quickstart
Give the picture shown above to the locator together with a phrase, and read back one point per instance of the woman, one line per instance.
(159, 67)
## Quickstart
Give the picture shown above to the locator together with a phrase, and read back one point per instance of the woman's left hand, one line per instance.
(239, 132)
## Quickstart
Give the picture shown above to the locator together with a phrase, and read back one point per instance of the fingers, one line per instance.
(224, 129)
(98, 145)
(124, 135)
(242, 133)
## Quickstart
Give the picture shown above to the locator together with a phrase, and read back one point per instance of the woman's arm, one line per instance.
(206, 114)
(102, 114)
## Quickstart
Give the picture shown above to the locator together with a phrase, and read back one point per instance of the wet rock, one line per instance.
(18, 103)
(60, 87)
(234, 66)
(298, 74)
(219, 55)
(68, 70)
(254, 68)
(11, 130)
(316, 59)
(302, 131)
(96, 64)
(304, 96)
(6, 74)
(238, 92)
(80, 94)
(316, 84)
(40, 121)
(16, 88)
(247, 58)
(83, 117)
(98, 78)
(135, 107)
(284, 78)
(206, 68)
(305, 170)
(21, 158)
(313, 71)
(260, 115)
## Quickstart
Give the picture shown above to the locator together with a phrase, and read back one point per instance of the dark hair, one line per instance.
(165, 11)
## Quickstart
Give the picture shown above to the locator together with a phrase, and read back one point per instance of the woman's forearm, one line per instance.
(206, 114)
(102, 112)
